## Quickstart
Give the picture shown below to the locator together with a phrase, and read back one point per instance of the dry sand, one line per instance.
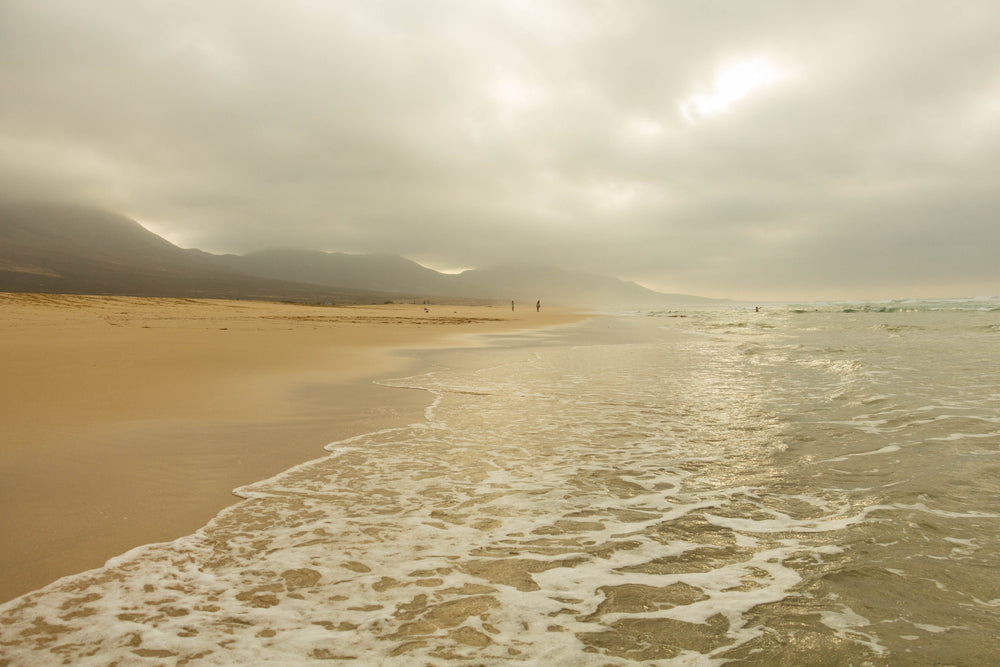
(127, 420)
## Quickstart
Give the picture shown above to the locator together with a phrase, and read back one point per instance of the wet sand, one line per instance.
(125, 421)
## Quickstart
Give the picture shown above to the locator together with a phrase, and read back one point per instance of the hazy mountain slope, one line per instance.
(53, 248)
(68, 249)
(376, 272)
(529, 283)
(51, 232)
(518, 282)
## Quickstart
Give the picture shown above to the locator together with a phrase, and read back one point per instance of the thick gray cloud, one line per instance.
(747, 149)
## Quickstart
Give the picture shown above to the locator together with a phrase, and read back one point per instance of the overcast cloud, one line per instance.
(745, 149)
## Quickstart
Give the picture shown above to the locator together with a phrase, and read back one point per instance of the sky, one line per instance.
(742, 149)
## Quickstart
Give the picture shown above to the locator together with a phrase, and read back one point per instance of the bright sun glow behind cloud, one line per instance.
(732, 83)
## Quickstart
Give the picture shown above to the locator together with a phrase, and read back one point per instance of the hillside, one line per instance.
(75, 250)
(53, 248)
(376, 272)
(530, 282)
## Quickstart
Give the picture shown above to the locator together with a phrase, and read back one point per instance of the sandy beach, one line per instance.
(125, 420)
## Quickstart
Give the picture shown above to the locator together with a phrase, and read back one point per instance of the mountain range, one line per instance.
(78, 250)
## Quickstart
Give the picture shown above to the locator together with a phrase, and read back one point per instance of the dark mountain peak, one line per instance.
(77, 229)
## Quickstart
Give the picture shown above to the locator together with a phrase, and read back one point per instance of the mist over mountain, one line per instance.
(527, 282)
(72, 249)
(376, 272)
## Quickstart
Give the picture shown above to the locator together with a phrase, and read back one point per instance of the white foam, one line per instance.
(888, 449)
(952, 437)
(846, 623)
(930, 628)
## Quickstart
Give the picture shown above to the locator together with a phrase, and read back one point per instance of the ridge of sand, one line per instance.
(129, 420)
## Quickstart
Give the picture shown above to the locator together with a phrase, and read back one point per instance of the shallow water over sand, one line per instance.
(816, 487)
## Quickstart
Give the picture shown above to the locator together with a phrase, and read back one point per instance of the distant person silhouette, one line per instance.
(538, 305)
(512, 306)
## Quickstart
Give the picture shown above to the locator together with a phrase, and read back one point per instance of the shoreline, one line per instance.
(131, 420)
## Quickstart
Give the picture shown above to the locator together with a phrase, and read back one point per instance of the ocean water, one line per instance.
(808, 485)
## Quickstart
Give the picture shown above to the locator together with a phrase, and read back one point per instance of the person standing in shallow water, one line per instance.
(538, 305)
